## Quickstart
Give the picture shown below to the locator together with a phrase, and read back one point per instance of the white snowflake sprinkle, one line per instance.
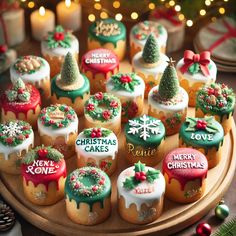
(145, 127)
(12, 129)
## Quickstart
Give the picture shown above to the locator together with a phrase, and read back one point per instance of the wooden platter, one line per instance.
(175, 217)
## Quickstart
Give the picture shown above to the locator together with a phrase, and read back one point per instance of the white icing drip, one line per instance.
(36, 78)
(154, 105)
(143, 198)
(60, 51)
(54, 133)
(138, 89)
(97, 156)
(198, 77)
(155, 71)
(161, 39)
(7, 150)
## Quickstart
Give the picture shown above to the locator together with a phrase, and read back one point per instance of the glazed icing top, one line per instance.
(99, 60)
(185, 164)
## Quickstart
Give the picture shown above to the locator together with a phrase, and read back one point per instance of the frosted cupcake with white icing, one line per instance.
(140, 194)
(58, 127)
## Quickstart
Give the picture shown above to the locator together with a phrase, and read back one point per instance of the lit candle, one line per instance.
(42, 21)
(69, 15)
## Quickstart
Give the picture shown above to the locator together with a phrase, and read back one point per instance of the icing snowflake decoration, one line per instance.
(144, 127)
(13, 129)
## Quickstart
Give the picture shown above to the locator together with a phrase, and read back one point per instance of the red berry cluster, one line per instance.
(42, 152)
(114, 104)
(96, 133)
(98, 96)
(125, 79)
(201, 124)
(106, 114)
(59, 36)
(140, 176)
(90, 107)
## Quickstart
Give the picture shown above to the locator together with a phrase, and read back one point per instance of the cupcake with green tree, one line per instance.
(70, 87)
(168, 101)
(150, 63)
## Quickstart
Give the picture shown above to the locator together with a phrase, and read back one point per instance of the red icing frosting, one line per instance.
(90, 61)
(194, 165)
(44, 171)
(22, 107)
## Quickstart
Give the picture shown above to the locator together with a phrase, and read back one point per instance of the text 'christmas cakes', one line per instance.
(88, 196)
(144, 140)
(129, 88)
(44, 175)
(185, 172)
(97, 147)
(16, 139)
(140, 194)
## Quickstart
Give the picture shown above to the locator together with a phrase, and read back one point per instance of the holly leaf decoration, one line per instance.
(194, 68)
(191, 124)
(152, 175)
(54, 154)
(130, 183)
(138, 167)
(211, 129)
(29, 157)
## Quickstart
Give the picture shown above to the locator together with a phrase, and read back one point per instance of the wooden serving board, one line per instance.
(175, 217)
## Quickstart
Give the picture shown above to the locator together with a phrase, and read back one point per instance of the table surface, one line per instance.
(29, 46)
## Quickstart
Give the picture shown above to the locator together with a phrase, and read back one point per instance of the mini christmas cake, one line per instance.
(97, 147)
(103, 110)
(33, 70)
(150, 64)
(22, 102)
(194, 71)
(16, 139)
(140, 194)
(144, 140)
(70, 87)
(168, 101)
(129, 88)
(140, 32)
(109, 34)
(185, 172)
(216, 100)
(7, 57)
(98, 65)
(175, 27)
(44, 174)
(58, 127)
(56, 45)
(88, 196)
(204, 134)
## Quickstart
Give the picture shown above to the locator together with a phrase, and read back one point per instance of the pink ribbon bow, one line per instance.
(203, 59)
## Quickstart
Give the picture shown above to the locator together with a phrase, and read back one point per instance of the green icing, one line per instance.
(84, 187)
(135, 130)
(106, 29)
(195, 68)
(73, 94)
(202, 138)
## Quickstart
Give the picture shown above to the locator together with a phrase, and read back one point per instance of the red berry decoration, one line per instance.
(9, 140)
(95, 188)
(201, 124)
(90, 107)
(114, 104)
(106, 115)
(20, 91)
(140, 176)
(211, 91)
(125, 79)
(42, 152)
(99, 96)
(3, 48)
(59, 36)
(203, 229)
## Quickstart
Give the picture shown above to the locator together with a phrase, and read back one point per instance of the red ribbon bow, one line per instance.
(168, 14)
(203, 59)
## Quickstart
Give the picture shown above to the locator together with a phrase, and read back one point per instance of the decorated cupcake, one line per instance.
(99, 65)
(58, 127)
(44, 174)
(140, 194)
(185, 172)
(216, 100)
(150, 64)
(7, 57)
(97, 147)
(109, 34)
(129, 88)
(168, 101)
(194, 71)
(70, 87)
(88, 196)
(16, 139)
(140, 32)
(204, 134)
(175, 27)
(103, 110)
(144, 140)
(33, 70)
(21, 101)
(56, 45)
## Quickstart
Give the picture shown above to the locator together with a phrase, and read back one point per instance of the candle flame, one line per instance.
(41, 11)
(68, 3)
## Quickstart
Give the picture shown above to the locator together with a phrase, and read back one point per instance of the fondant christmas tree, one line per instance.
(151, 52)
(169, 83)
